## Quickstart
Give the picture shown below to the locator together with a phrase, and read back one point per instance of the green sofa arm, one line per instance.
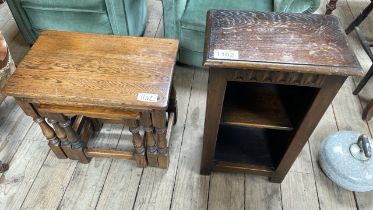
(296, 6)
(22, 21)
(173, 10)
(124, 19)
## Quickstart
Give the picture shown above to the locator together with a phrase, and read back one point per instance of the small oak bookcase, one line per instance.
(271, 78)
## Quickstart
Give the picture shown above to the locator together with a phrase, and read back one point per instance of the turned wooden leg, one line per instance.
(54, 142)
(77, 146)
(159, 122)
(139, 146)
(65, 144)
(330, 7)
(150, 139)
(151, 146)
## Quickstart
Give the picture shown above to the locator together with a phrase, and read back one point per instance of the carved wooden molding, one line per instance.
(311, 80)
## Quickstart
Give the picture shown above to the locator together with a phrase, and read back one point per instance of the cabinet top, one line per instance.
(304, 43)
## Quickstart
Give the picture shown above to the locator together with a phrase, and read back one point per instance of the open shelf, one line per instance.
(254, 105)
(251, 148)
(257, 125)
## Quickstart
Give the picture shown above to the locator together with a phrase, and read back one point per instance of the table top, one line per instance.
(98, 70)
(304, 43)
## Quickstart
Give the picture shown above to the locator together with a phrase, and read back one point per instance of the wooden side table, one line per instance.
(272, 77)
(73, 79)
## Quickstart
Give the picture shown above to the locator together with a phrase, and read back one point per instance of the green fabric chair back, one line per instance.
(120, 17)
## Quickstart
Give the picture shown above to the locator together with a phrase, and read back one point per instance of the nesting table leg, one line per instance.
(64, 143)
(48, 132)
(54, 142)
(139, 146)
(77, 146)
(150, 139)
(67, 141)
(159, 122)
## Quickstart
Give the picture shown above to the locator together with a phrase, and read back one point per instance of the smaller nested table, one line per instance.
(78, 81)
(272, 76)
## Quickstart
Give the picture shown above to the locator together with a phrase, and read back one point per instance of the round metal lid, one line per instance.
(345, 159)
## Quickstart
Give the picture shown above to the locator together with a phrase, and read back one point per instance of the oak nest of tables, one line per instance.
(79, 81)
(271, 78)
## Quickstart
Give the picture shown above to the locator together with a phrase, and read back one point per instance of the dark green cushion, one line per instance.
(194, 19)
(68, 15)
(69, 21)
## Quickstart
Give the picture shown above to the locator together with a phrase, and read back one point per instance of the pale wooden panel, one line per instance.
(4, 14)
(10, 30)
(8, 105)
(347, 109)
(303, 163)
(191, 189)
(226, 191)
(123, 179)
(88, 180)
(330, 195)
(155, 11)
(13, 128)
(155, 191)
(261, 194)
(50, 184)
(24, 167)
(299, 192)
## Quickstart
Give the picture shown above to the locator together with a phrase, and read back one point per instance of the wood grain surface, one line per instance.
(263, 40)
(96, 70)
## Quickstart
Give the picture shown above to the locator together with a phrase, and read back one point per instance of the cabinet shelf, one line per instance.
(254, 149)
(254, 105)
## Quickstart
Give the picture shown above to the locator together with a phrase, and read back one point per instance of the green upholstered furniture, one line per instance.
(121, 17)
(185, 19)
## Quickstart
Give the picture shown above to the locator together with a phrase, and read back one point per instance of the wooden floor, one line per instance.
(38, 180)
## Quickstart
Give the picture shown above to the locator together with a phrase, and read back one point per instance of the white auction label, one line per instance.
(147, 97)
(226, 54)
